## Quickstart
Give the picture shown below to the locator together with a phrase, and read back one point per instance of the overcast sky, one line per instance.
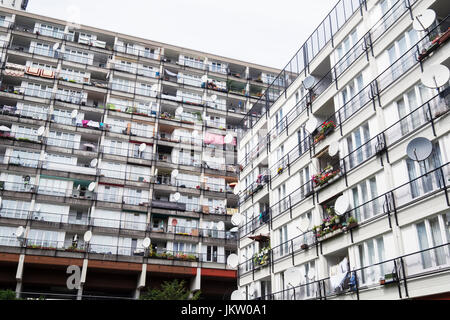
(266, 32)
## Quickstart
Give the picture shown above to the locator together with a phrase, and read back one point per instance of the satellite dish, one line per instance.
(40, 131)
(234, 230)
(236, 189)
(175, 173)
(94, 163)
(237, 296)
(154, 87)
(179, 111)
(304, 224)
(293, 274)
(204, 78)
(228, 139)
(55, 46)
(312, 274)
(232, 261)
(309, 82)
(142, 147)
(195, 134)
(252, 289)
(342, 205)
(333, 149)
(20, 231)
(213, 98)
(312, 124)
(87, 236)
(146, 243)
(74, 114)
(435, 76)
(424, 20)
(236, 219)
(38, 208)
(220, 226)
(92, 186)
(419, 149)
(177, 196)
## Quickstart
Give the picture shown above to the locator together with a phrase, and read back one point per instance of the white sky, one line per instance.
(266, 32)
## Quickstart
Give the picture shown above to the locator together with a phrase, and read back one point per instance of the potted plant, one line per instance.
(304, 246)
(351, 223)
(280, 170)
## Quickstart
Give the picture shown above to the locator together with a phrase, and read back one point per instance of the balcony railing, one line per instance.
(363, 45)
(397, 272)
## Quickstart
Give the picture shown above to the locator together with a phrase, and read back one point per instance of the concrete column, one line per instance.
(19, 275)
(195, 284)
(82, 280)
(141, 282)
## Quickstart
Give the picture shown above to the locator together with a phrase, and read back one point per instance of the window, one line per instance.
(283, 241)
(211, 253)
(363, 193)
(280, 121)
(305, 182)
(348, 93)
(38, 90)
(341, 58)
(429, 182)
(372, 252)
(431, 233)
(24, 158)
(304, 141)
(42, 49)
(398, 49)
(358, 149)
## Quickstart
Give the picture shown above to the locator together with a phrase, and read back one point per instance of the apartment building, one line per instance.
(122, 139)
(331, 205)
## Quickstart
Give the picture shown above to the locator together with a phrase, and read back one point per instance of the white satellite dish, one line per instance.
(92, 186)
(87, 236)
(74, 114)
(94, 163)
(237, 296)
(179, 111)
(177, 196)
(312, 274)
(175, 173)
(435, 76)
(142, 147)
(293, 275)
(154, 87)
(252, 289)
(232, 261)
(304, 224)
(342, 205)
(146, 243)
(38, 208)
(309, 82)
(213, 98)
(424, 20)
(20, 231)
(236, 219)
(228, 139)
(333, 149)
(40, 131)
(236, 190)
(312, 124)
(220, 226)
(55, 46)
(234, 230)
(195, 134)
(419, 149)
(204, 78)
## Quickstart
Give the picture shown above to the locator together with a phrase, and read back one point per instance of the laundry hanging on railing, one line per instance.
(171, 73)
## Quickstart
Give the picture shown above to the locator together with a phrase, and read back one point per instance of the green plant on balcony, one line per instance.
(262, 258)
(280, 170)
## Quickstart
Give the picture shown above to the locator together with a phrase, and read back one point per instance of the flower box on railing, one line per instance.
(326, 130)
(325, 177)
(388, 279)
(262, 258)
